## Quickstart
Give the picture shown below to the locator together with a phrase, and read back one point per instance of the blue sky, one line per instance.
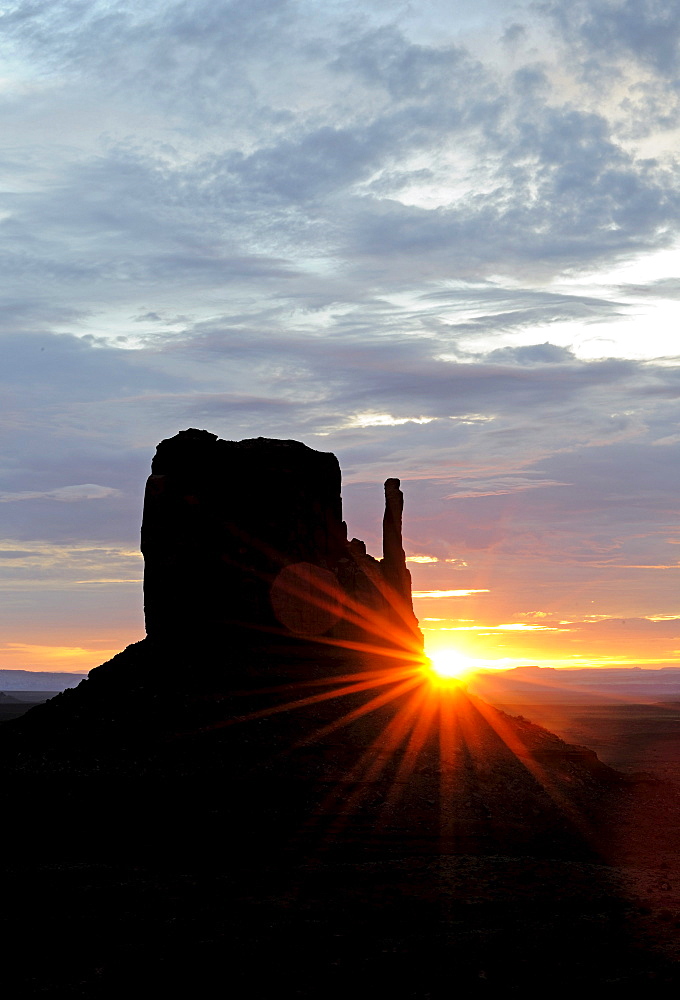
(440, 240)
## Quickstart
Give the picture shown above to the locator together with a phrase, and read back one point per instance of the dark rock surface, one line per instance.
(222, 519)
(248, 536)
(394, 557)
(271, 789)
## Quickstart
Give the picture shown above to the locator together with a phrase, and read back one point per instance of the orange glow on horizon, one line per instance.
(61, 658)
(446, 665)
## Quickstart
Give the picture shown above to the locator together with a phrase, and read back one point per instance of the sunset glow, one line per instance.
(425, 709)
(449, 664)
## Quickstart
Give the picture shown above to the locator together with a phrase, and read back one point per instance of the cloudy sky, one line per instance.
(439, 239)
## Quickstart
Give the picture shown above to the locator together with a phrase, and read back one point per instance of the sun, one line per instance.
(448, 665)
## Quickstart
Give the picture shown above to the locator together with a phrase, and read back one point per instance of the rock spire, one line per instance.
(394, 558)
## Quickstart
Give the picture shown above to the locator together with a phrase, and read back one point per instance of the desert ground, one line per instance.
(624, 735)
(130, 897)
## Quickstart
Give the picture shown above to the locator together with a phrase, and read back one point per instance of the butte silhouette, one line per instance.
(284, 666)
(278, 736)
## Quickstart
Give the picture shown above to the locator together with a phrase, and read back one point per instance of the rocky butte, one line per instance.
(245, 540)
(250, 582)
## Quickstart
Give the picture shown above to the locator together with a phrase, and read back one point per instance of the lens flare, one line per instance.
(448, 665)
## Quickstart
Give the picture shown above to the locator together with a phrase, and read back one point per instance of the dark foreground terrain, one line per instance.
(212, 844)
(425, 927)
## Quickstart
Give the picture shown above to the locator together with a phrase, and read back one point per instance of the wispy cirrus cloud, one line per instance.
(500, 487)
(64, 494)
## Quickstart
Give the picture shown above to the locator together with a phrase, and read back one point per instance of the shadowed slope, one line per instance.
(282, 838)
(337, 752)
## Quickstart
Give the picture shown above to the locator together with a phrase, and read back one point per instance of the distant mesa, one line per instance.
(44, 681)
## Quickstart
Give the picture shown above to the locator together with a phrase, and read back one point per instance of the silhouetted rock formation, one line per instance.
(207, 800)
(249, 535)
(250, 581)
(269, 633)
(284, 664)
(394, 557)
(222, 519)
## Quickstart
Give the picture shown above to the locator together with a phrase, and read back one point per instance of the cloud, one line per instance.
(509, 627)
(385, 420)
(65, 494)
(72, 659)
(531, 354)
(647, 30)
(44, 564)
(500, 487)
(406, 71)
(662, 288)
(543, 180)
(437, 594)
(628, 51)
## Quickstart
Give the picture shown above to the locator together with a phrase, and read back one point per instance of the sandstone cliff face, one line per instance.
(249, 535)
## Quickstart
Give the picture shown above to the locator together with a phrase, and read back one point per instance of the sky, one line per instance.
(441, 240)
